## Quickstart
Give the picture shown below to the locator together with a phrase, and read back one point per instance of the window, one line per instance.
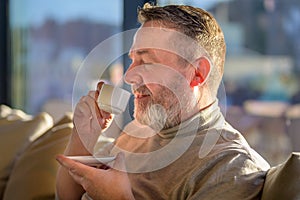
(262, 47)
(262, 70)
(50, 39)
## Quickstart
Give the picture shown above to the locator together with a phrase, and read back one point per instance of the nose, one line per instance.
(133, 75)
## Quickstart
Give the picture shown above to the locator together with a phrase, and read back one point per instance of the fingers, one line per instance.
(99, 85)
(78, 171)
(88, 114)
(86, 105)
(98, 111)
(82, 109)
(98, 183)
(103, 114)
(95, 111)
(86, 111)
(73, 168)
(84, 175)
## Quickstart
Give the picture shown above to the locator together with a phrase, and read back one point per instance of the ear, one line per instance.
(202, 70)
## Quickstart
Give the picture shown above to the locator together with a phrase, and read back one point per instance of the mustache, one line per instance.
(141, 90)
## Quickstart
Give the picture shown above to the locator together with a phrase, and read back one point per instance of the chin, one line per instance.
(138, 115)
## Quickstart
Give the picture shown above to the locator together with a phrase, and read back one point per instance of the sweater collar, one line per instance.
(206, 118)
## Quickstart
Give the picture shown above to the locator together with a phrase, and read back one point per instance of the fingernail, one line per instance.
(72, 171)
(58, 159)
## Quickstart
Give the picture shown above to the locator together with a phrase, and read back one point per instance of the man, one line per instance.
(179, 146)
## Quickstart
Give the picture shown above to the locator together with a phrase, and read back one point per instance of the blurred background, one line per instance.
(43, 44)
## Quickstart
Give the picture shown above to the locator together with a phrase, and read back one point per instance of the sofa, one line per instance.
(283, 181)
(29, 144)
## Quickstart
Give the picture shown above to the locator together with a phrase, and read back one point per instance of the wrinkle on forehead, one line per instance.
(152, 36)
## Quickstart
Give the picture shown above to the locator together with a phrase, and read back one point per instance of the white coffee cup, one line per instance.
(113, 99)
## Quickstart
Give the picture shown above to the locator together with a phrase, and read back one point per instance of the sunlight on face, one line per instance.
(164, 109)
(160, 80)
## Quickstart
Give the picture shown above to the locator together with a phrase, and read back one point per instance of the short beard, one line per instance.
(158, 117)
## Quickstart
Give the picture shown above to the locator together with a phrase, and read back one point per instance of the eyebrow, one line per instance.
(141, 52)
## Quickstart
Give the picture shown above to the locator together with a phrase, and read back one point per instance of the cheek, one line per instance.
(154, 88)
(161, 76)
(164, 96)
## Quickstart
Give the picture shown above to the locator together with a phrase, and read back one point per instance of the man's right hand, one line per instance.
(89, 120)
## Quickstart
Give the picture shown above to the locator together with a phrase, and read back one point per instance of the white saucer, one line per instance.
(91, 160)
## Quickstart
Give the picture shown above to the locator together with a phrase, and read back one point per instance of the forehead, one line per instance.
(154, 35)
(151, 36)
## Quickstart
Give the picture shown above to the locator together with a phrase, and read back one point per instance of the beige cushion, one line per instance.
(4, 111)
(33, 175)
(283, 181)
(17, 131)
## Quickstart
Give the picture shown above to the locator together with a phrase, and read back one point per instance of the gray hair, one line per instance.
(197, 24)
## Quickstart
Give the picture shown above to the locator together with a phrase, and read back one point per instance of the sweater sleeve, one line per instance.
(229, 176)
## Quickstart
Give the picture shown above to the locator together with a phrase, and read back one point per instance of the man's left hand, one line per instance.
(100, 183)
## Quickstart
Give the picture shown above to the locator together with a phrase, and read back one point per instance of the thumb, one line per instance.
(120, 162)
(75, 169)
